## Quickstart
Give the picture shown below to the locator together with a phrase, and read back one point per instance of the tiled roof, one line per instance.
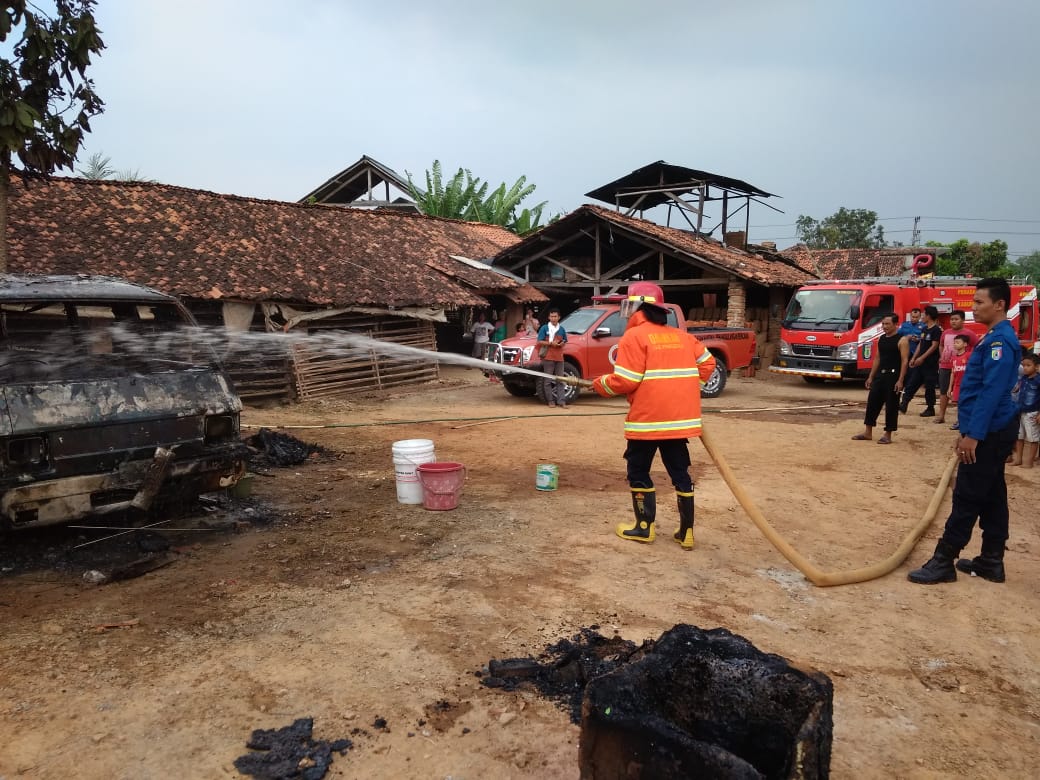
(854, 263)
(487, 280)
(767, 269)
(200, 244)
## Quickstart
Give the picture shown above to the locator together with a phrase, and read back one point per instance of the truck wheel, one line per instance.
(570, 392)
(716, 382)
(519, 389)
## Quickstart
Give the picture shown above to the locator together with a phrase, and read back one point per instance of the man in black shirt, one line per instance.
(924, 364)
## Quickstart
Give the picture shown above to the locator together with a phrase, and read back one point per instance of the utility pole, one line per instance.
(916, 235)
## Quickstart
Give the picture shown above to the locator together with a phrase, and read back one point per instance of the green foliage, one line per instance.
(466, 197)
(844, 229)
(1029, 267)
(100, 167)
(46, 100)
(966, 258)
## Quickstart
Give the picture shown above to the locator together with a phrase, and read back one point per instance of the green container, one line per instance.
(547, 476)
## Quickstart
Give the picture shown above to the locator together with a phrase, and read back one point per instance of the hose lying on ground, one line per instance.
(814, 575)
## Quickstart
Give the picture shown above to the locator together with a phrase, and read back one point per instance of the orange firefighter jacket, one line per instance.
(661, 370)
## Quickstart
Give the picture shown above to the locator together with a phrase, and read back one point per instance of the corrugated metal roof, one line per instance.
(660, 173)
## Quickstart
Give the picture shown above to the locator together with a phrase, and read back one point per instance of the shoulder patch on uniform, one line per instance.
(995, 351)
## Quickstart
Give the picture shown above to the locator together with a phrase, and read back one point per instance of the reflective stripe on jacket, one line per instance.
(661, 370)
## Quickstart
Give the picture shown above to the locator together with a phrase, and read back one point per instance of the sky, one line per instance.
(907, 108)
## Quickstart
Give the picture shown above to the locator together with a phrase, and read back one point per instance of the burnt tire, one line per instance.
(716, 382)
(570, 392)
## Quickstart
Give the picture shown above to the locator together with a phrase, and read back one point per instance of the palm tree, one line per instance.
(100, 167)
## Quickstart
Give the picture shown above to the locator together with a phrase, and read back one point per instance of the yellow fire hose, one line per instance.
(819, 578)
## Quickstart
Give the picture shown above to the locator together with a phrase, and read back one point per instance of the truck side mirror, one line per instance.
(601, 333)
(854, 312)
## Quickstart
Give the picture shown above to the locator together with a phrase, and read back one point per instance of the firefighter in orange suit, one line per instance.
(660, 369)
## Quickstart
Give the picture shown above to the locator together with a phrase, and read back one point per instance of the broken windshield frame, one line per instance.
(79, 340)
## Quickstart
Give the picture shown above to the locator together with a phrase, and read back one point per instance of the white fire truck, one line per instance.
(831, 326)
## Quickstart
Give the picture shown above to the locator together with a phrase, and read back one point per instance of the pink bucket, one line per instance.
(441, 484)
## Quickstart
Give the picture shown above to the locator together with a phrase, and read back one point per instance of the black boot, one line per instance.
(644, 506)
(684, 536)
(939, 568)
(989, 565)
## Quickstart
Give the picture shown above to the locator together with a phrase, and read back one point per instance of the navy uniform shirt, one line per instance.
(985, 404)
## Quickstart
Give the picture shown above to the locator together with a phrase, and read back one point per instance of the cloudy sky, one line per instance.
(906, 107)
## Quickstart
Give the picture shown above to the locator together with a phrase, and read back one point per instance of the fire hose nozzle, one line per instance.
(576, 381)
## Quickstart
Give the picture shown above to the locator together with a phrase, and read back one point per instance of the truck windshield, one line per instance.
(43, 341)
(577, 322)
(815, 309)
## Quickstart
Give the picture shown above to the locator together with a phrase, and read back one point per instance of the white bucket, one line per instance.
(408, 454)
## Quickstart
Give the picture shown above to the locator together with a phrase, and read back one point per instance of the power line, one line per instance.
(970, 219)
(949, 219)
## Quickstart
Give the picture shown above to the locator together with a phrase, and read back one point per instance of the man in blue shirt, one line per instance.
(912, 328)
(988, 419)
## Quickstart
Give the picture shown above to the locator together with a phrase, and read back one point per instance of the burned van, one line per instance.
(110, 398)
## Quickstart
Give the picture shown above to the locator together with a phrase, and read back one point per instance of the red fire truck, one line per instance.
(831, 326)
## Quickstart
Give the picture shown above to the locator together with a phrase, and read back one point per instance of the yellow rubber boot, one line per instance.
(644, 506)
(684, 536)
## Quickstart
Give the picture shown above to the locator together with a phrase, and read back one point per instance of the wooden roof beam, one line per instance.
(548, 250)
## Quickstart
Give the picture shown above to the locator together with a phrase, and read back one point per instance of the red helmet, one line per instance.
(640, 293)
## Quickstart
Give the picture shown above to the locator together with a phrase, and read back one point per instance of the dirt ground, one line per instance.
(349, 607)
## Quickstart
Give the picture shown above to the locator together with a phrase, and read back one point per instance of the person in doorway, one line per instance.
(551, 338)
(660, 369)
(887, 374)
(530, 323)
(946, 355)
(1027, 395)
(960, 365)
(500, 329)
(925, 364)
(481, 330)
(988, 431)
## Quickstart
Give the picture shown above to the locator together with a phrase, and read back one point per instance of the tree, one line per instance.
(844, 229)
(965, 258)
(1029, 267)
(466, 197)
(46, 100)
(100, 167)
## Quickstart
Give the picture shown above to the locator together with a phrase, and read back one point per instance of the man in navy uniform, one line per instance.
(988, 429)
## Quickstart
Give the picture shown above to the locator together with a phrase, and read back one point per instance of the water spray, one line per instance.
(274, 345)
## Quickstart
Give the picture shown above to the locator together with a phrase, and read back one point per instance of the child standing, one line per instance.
(1028, 393)
(958, 365)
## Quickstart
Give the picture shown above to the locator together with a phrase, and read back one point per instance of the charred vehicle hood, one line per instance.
(34, 407)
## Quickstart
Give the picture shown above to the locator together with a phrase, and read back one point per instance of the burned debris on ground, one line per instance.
(289, 753)
(269, 448)
(692, 703)
(127, 544)
(563, 669)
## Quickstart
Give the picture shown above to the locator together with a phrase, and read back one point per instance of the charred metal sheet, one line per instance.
(63, 500)
(71, 404)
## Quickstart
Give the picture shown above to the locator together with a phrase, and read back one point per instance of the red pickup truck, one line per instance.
(593, 333)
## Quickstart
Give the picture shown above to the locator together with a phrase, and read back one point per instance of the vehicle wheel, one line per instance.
(716, 382)
(814, 380)
(519, 389)
(570, 392)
